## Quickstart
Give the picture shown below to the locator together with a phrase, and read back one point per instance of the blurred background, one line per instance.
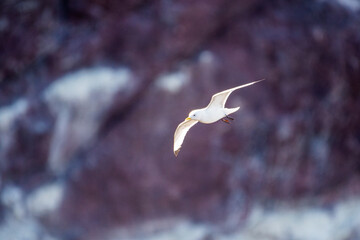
(91, 93)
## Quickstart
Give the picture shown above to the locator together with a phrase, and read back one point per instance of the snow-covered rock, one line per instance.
(78, 101)
(45, 199)
(173, 82)
(282, 222)
(23, 229)
(12, 199)
(8, 115)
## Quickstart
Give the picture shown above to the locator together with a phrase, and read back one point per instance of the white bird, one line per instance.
(213, 112)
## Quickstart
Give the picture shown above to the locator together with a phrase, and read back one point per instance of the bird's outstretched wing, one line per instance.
(219, 99)
(180, 134)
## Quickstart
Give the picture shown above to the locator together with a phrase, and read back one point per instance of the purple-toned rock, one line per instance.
(91, 93)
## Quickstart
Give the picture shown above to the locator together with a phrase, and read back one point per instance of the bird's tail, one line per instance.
(229, 111)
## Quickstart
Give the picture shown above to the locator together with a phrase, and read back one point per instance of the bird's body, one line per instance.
(216, 113)
(213, 112)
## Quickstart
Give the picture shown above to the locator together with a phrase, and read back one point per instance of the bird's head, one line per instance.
(194, 115)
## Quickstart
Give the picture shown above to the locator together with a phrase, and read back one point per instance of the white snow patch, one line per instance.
(282, 222)
(24, 229)
(78, 100)
(45, 199)
(18, 223)
(9, 114)
(10, 195)
(88, 84)
(173, 82)
(183, 230)
(14, 229)
(207, 57)
(306, 223)
(12, 199)
(165, 229)
(353, 5)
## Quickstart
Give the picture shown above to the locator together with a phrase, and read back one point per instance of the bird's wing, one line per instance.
(219, 99)
(180, 134)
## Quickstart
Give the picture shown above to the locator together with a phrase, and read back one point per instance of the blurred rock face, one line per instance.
(91, 93)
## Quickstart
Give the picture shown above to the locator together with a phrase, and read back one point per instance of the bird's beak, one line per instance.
(187, 118)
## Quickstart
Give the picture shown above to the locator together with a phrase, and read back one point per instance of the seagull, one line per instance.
(213, 112)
